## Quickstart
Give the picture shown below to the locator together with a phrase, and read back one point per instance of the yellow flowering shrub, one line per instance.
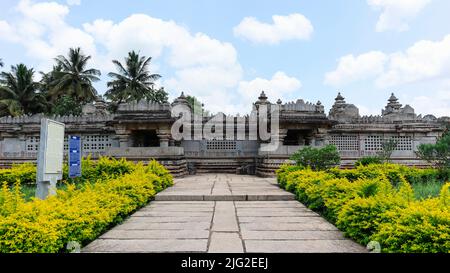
(283, 171)
(25, 173)
(376, 202)
(392, 171)
(421, 227)
(77, 213)
(104, 166)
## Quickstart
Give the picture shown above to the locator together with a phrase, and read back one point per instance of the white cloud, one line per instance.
(396, 14)
(291, 27)
(361, 67)
(73, 2)
(425, 60)
(435, 101)
(280, 86)
(368, 111)
(43, 32)
(7, 32)
(203, 65)
(192, 62)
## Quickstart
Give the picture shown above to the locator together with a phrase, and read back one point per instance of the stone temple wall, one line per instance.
(141, 131)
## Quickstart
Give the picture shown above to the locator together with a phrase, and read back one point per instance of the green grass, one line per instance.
(427, 190)
(29, 190)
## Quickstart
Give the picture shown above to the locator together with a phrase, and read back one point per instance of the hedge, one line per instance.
(376, 203)
(25, 173)
(78, 214)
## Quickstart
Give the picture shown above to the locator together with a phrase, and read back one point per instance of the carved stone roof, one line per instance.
(142, 106)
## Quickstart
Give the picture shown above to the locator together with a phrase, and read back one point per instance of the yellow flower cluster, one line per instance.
(79, 213)
(376, 203)
(25, 173)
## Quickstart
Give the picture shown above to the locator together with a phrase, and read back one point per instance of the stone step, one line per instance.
(225, 197)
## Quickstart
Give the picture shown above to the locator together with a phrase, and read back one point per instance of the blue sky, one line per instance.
(226, 52)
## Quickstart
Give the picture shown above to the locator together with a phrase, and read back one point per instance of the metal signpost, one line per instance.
(74, 156)
(50, 158)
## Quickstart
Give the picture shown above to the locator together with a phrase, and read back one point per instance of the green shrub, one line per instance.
(360, 218)
(376, 203)
(25, 173)
(283, 171)
(76, 214)
(163, 173)
(104, 167)
(368, 160)
(317, 158)
(437, 154)
(422, 227)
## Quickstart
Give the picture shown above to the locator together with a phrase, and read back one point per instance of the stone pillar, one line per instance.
(164, 137)
(319, 138)
(280, 136)
(123, 135)
(123, 141)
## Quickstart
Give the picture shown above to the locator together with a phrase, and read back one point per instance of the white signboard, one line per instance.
(54, 151)
(50, 158)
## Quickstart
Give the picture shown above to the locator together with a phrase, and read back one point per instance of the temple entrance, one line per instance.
(296, 137)
(145, 138)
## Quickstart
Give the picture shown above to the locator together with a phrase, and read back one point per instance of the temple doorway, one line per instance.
(145, 138)
(296, 137)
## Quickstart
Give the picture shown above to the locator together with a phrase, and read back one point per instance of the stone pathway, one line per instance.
(224, 213)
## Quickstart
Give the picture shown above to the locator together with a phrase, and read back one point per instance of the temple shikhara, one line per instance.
(141, 130)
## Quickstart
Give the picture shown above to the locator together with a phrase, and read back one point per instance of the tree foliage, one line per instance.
(134, 82)
(317, 158)
(387, 148)
(74, 77)
(196, 106)
(65, 106)
(439, 153)
(19, 92)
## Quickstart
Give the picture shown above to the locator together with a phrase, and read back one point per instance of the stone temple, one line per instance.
(142, 130)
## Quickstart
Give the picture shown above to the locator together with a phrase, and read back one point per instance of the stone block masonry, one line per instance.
(213, 213)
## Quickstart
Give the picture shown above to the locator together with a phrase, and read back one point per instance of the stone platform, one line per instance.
(215, 213)
(224, 187)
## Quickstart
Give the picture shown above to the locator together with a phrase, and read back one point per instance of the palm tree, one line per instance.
(75, 79)
(197, 106)
(49, 81)
(18, 92)
(134, 81)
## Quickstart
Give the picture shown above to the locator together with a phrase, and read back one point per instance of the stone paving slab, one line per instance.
(172, 213)
(219, 213)
(156, 234)
(147, 246)
(263, 213)
(273, 204)
(131, 225)
(224, 187)
(225, 217)
(291, 235)
(225, 243)
(174, 219)
(303, 246)
(281, 226)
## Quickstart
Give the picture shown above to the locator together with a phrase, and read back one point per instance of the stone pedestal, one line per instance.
(164, 138)
(123, 141)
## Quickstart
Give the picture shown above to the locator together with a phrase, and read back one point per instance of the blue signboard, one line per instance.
(74, 156)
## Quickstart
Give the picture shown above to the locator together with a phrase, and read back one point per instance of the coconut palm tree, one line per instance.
(18, 92)
(49, 80)
(134, 81)
(75, 79)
